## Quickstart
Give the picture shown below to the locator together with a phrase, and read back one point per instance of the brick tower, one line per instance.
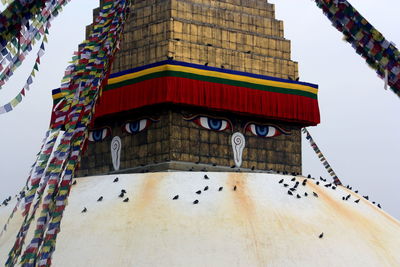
(193, 75)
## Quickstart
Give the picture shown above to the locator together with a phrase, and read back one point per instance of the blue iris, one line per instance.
(97, 135)
(134, 126)
(215, 124)
(262, 130)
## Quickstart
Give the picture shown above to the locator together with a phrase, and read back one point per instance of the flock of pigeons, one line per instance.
(291, 184)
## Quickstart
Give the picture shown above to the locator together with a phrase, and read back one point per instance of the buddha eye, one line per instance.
(266, 131)
(134, 127)
(98, 135)
(213, 124)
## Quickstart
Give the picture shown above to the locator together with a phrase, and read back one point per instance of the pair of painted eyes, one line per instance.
(220, 125)
(132, 127)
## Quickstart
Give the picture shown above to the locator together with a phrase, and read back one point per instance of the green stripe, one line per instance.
(198, 77)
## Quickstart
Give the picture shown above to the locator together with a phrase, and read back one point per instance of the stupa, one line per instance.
(195, 154)
(190, 77)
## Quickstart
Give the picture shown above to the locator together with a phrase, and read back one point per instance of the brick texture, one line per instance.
(173, 138)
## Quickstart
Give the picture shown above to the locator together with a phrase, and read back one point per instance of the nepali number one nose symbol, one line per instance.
(116, 152)
(238, 143)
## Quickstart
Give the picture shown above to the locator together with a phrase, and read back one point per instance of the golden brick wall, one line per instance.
(239, 35)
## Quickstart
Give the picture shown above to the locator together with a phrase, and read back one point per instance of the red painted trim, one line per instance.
(176, 90)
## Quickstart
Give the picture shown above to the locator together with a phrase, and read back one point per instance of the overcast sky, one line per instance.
(359, 127)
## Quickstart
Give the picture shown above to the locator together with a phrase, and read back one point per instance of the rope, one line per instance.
(322, 158)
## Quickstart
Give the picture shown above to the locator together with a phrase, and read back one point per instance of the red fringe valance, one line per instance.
(271, 105)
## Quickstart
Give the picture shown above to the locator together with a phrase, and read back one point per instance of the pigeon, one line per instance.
(304, 182)
(373, 202)
(293, 179)
(290, 193)
(206, 177)
(198, 192)
(123, 191)
(84, 210)
(366, 197)
(126, 199)
(281, 181)
(379, 206)
(74, 182)
(321, 235)
(195, 202)
(285, 185)
(170, 58)
(121, 195)
(356, 201)
(317, 182)
(315, 194)
(305, 194)
(115, 180)
(233, 166)
(206, 64)
(100, 199)
(343, 198)
(176, 197)
(292, 189)
(309, 176)
(298, 196)
(252, 168)
(220, 189)
(334, 187)
(328, 185)
(206, 188)
(356, 191)
(347, 198)
(234, 188)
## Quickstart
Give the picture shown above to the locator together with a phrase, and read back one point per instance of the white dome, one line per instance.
(258, 224)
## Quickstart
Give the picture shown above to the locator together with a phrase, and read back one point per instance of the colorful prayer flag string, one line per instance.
(31, 26)
(33, 183)
(81, 88)
(322, 158)
(18, 99)
(379, 53)
(23, 191)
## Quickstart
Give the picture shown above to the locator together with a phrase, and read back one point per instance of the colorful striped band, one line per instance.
(170, 68)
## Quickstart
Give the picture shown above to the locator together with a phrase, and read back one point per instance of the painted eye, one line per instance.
(212, 123)
(98, 135)
(263, 130)
(134, 127)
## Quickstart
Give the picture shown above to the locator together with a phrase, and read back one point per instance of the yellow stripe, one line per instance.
(215, 74)
(57, 96)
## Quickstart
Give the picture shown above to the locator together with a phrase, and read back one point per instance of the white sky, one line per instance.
(359, 128)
